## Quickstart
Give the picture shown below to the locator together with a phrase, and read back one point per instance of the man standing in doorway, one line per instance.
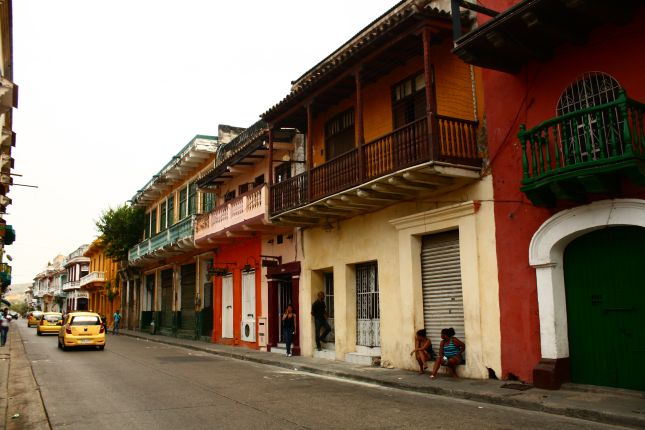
(117, 320)
(319, 312)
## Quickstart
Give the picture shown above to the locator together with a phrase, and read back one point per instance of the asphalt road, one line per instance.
(138, 384)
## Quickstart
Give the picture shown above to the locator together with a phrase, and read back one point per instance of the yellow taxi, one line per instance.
(82, 329)
(33, 318)
(50, 322)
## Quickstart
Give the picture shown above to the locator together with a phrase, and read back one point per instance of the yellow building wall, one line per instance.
(99, 302)
(454, 93)
(392, 238)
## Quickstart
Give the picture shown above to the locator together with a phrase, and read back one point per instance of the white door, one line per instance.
(227, 306)
(248, 306)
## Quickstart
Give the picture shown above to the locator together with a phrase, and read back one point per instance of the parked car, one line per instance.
(33, 318)
(50, 322)
(82, 329)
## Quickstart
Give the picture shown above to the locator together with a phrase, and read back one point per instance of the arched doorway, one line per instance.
(546, 255)
(604, 275)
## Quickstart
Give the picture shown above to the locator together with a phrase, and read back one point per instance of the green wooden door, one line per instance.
(604, 274)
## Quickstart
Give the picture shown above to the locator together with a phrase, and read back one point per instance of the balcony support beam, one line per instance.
(424, 178)
(402, 183)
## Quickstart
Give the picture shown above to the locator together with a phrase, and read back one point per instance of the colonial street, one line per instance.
(141, 384)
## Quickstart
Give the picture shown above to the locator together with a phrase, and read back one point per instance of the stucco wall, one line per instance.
(392, 238)
(531, 97)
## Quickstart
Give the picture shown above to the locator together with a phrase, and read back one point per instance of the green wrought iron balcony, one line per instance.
(8, 234)
(5, 274)
(590, 151)
(177, 237)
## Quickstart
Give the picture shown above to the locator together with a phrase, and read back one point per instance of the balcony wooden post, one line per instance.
(270, 156)
(270, 167)
(310, 148)
(431, 100)
(358, 119)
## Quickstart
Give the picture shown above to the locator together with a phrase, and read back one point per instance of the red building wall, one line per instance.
(530, 97)
(235, 256)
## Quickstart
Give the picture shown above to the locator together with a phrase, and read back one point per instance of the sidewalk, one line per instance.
(19, 392)
(619, 407)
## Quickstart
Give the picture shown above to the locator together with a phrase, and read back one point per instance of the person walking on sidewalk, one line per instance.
(289, 327)
(5, 319)
(117, 320)
(319, 312)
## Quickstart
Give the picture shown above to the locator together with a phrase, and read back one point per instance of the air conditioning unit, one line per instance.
(248, 330)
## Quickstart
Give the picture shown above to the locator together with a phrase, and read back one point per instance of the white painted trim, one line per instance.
(546, 255)
(463, 217)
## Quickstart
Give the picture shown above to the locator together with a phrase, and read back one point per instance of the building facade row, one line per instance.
(490, 181)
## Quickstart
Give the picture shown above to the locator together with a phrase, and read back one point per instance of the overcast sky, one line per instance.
(111, 90)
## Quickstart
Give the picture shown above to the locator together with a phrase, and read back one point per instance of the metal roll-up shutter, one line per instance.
(166, 298)
(188, 284)
(443, 304)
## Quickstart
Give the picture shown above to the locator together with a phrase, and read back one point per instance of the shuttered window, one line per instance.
(443, 304)
(408, 100)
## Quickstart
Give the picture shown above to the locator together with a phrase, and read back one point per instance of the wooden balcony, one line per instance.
(405, 164)
(591, 151)
(244, 216)
(176, 239)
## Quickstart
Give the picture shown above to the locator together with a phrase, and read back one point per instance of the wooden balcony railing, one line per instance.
(593, 137)
(289, 194)
(404, 147)
(337, 174)
(458, 140)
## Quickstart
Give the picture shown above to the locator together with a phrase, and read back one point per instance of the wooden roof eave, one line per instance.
(321, 81)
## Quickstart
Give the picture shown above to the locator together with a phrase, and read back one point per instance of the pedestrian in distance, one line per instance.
(117, 320)
(289, 327)
(451, 353)
(319, 312)
(5, 319)
(422, 350)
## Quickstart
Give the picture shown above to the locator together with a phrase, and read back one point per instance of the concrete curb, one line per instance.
(589, 414)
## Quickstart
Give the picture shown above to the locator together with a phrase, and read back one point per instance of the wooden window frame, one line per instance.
(408, 107)
(340, 134)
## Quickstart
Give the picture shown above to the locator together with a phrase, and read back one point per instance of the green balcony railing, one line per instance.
(8, 234)
(5, 274)
(602, 139)
(181, 230)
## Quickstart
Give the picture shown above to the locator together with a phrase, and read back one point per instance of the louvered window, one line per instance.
(443, 304)
(408, 100)
(339, 134)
